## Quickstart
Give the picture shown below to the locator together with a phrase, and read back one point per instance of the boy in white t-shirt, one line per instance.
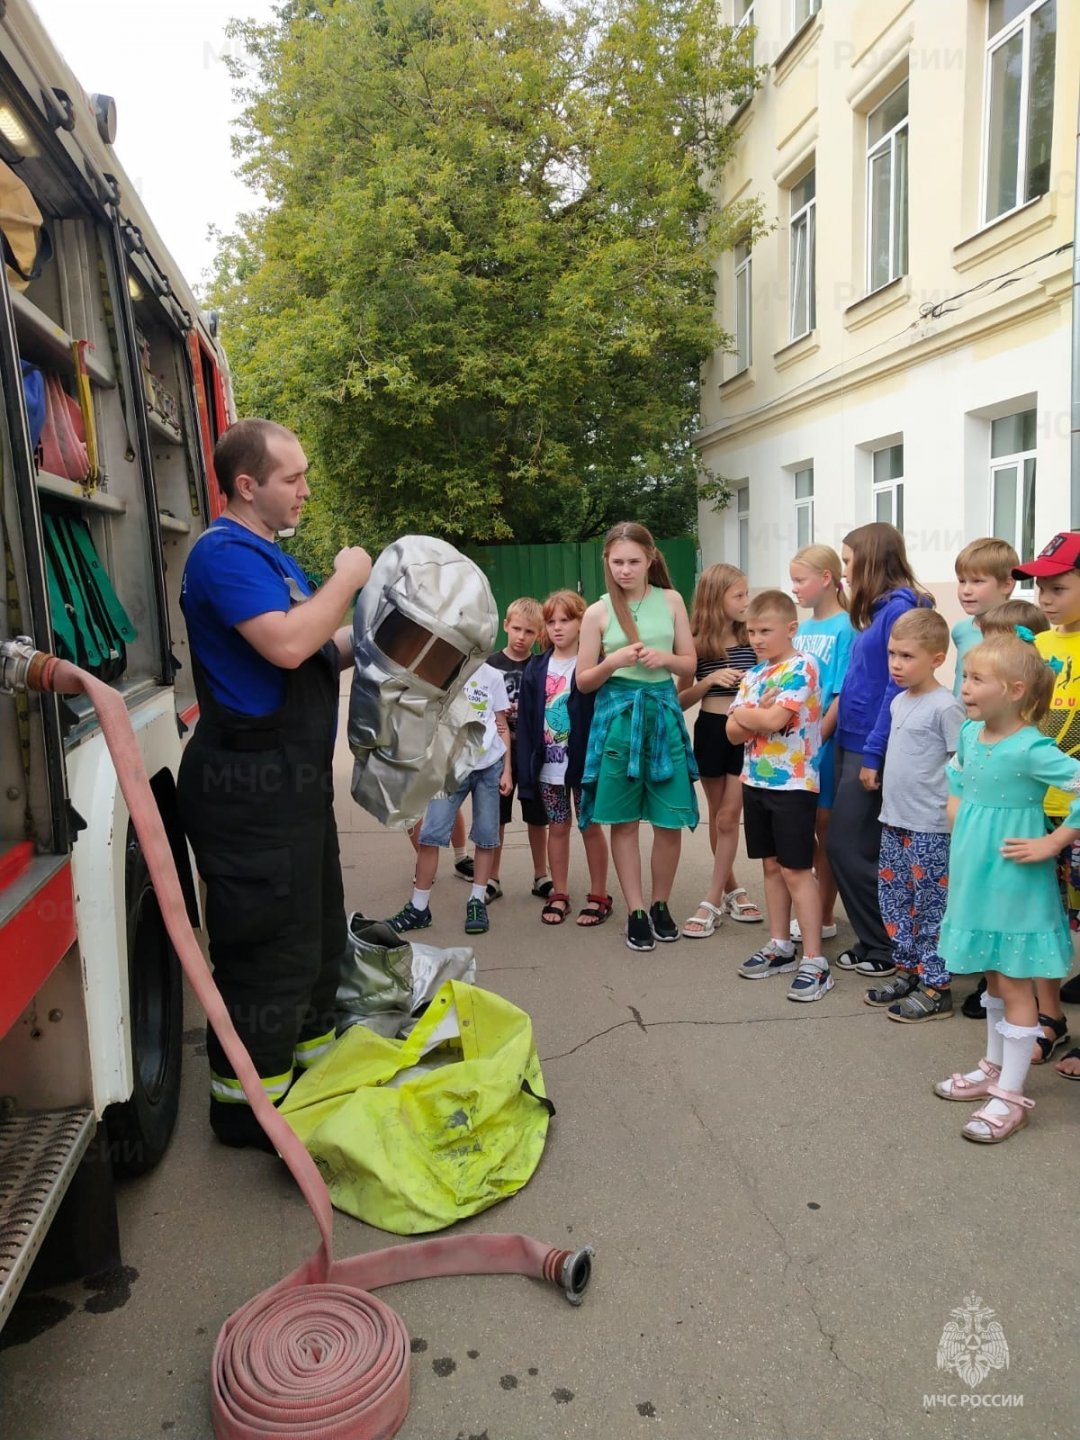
(486, 693)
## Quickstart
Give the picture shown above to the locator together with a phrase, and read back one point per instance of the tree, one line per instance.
(482, 285)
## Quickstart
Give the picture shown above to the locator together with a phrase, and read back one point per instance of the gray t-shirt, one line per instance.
(924, 732)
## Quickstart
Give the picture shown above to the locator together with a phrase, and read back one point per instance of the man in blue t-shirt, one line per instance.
(256, 781)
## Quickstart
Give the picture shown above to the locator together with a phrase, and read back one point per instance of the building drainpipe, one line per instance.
(1074, 455)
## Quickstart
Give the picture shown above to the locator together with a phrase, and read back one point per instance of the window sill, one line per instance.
(741, 380)
(800, 349)
(1004, 232)
(881, 301)
(740, 111)
(796, 48)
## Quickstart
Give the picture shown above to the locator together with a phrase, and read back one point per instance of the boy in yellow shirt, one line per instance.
(1056, 572)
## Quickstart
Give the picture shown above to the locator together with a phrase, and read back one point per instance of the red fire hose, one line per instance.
(316, 1357)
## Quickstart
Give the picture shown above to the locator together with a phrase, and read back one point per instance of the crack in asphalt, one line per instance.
(647, 1025)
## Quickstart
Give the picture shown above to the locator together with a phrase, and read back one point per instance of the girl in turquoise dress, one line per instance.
(1004, 914)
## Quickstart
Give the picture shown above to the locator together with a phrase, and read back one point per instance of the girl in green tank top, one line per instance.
(640, 763)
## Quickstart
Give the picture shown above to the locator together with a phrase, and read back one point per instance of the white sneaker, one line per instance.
(828, 932)
(812, 980)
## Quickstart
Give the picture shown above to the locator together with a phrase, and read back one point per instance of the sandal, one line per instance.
(1000, 1126)
(744, 910)
(1073, 1054)
(1047, 1046)
(961, 1088)
(551, 914)
(542, 887)
(706, 926)
(595, 911)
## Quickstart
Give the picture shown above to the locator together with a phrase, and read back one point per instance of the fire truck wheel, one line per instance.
(140, 1128)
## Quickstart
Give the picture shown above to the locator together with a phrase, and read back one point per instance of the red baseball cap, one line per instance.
(1058, 558)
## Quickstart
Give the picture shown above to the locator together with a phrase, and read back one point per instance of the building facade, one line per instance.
(902, 332)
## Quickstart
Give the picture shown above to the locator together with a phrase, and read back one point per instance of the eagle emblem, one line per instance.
(973, 1343)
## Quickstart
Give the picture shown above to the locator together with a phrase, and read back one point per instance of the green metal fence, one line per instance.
(537, 570)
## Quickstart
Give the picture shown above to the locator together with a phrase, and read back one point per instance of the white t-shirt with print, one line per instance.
(560, 675)
(485, 691)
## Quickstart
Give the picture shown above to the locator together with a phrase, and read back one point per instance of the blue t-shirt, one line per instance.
(965, 636)
(231, 576)
(829, 642)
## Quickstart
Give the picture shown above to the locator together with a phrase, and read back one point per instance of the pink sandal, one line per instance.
(1001, 1126)
(961, 1088)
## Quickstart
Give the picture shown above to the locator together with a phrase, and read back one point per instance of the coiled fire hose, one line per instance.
(315, 1357)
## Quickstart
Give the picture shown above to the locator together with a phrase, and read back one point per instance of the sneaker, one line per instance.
(813, 979)
(767, 961)
(463, 868)
(878, 968)
(897, 989)
(828, 932)
(972, 1007)
(663, 926)
(409, 918)
(476, 918)
(493, 892)
(639, 931)
(922, 1004)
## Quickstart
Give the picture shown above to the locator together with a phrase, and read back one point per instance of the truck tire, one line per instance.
(140, 1128)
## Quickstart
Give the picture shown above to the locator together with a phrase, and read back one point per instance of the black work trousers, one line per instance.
(262, 828)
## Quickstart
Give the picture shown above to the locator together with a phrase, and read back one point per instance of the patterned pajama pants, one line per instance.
(913, 886)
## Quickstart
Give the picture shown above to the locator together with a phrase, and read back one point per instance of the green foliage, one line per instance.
(483, 284)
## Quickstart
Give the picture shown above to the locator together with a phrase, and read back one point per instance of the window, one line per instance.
(744, 354)
(744, 18)
(804, 507)
(803, 316)
(742, 514)
(888, 485)
(1012, 480)
(1019, 102)
(802, 11)
(887, 190)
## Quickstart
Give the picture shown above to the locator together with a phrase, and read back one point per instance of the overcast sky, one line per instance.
(161, 60)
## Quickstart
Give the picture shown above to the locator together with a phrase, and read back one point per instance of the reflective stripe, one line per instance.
(308, 1051)
(229, 1090)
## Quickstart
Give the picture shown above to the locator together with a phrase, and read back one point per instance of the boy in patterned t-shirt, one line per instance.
(777, 716)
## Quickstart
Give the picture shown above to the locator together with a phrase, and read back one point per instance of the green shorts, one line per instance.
(670, 804)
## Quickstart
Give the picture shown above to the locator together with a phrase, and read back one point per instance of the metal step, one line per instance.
(39, 1155)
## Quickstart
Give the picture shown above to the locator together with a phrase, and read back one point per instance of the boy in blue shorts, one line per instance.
(486, 693)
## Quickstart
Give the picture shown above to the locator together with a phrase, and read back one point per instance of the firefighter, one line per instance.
(256, 781)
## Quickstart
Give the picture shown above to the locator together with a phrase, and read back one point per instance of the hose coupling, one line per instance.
(22, 665)
(575, 1273)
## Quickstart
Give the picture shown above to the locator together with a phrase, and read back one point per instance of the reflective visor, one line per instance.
(414, 648)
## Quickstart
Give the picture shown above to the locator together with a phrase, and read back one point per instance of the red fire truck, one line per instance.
(114, 391)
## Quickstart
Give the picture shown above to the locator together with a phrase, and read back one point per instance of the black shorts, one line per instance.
(532, 811)
(779, 824)
(713, 751)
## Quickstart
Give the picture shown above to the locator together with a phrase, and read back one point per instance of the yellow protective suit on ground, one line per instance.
(412, 1135)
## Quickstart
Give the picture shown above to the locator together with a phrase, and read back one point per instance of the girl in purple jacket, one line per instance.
(881, 587)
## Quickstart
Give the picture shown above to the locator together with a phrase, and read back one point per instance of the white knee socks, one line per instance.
(995, 1036)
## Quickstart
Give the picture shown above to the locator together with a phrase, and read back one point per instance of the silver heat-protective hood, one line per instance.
(424, 622)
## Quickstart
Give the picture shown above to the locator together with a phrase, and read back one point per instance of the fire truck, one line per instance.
(114, 392)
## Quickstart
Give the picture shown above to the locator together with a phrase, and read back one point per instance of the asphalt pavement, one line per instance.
(790, 1233)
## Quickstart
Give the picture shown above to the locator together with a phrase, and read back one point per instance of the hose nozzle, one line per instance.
(575, 1273)
(23, 666)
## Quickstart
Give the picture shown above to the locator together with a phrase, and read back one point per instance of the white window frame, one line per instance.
(893, 487)
(802, 12)
(1017, 462)
(744, 308)
(804, 506)
(742, 518)
(741, 22)
(897, 192)
(993, 44)
(802, 242)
